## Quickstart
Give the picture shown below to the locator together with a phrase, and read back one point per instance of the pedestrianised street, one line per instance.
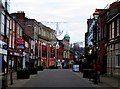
(56, 78)
(59, 78)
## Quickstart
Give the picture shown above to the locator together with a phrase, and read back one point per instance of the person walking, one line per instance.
(99, 70)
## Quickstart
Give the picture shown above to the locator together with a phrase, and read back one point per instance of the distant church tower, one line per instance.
(66, 49)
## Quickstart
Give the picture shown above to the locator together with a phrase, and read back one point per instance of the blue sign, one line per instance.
(5, 46)
(20, 46)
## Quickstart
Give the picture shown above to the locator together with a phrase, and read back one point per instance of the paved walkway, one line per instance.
(105, 81)
(110, 81)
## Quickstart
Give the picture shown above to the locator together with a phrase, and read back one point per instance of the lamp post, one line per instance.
(56, 53)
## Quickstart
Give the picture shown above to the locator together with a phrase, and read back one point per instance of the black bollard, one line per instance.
(95, 77)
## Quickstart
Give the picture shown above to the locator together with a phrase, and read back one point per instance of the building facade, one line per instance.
(89, 40)
(101, 38)
(41, 37)
(106, 42)
(113, 45)
(4, 28)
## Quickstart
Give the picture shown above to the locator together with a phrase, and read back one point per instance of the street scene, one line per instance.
(60, 43)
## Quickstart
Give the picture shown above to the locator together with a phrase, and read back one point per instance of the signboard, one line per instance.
(20, 41)
(20, 44)
(5, 46)
(76, 68)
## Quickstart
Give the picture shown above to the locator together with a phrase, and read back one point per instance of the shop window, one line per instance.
(118, 60)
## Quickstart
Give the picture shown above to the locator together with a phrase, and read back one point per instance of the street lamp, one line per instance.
(56, 52)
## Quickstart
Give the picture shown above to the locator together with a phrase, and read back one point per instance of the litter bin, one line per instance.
(75, 68)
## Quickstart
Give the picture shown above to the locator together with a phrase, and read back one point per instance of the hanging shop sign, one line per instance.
(20, 44)
(5, 46)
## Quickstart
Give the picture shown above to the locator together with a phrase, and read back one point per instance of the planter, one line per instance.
(40, 68)
(33, 70)
(23, 74)
(52, 67)
(87, 73)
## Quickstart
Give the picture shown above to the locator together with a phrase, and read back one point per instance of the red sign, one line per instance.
(44, 58)
(44, 48)
(20, 41)
(20, 44)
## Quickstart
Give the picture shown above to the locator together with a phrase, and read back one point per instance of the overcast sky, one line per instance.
(71, 15)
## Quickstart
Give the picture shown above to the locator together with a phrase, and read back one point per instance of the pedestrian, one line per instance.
(95, 75)
(99, 70)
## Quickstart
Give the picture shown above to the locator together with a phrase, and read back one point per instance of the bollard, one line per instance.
(95, 78)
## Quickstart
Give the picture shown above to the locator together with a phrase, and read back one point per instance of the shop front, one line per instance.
(44, 61)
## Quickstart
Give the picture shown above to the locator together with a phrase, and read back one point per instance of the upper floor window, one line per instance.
(113, 29)
(44, 33)
(20, 31)
(13, 25)
(2, 23)
(110, 31)
(118, 27)
(39, 31)
(8, 26)
(104, 31)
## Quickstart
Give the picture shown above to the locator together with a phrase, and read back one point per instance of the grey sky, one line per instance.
(72, 14)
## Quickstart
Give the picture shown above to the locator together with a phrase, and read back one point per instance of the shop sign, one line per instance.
(5, 46)
(20, 41)
(20, 44)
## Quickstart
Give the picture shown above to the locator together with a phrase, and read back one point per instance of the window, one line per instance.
(10, 39)
(43, 33)
(99, 35)
(13, 25)
(117, 57)
(113, 30)
(118, 60)
(118, 27)
(104, 32)
(110, 31)
(21, 32)
(8, 26)
(2, 23)
(18, 29)
(13, 40)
